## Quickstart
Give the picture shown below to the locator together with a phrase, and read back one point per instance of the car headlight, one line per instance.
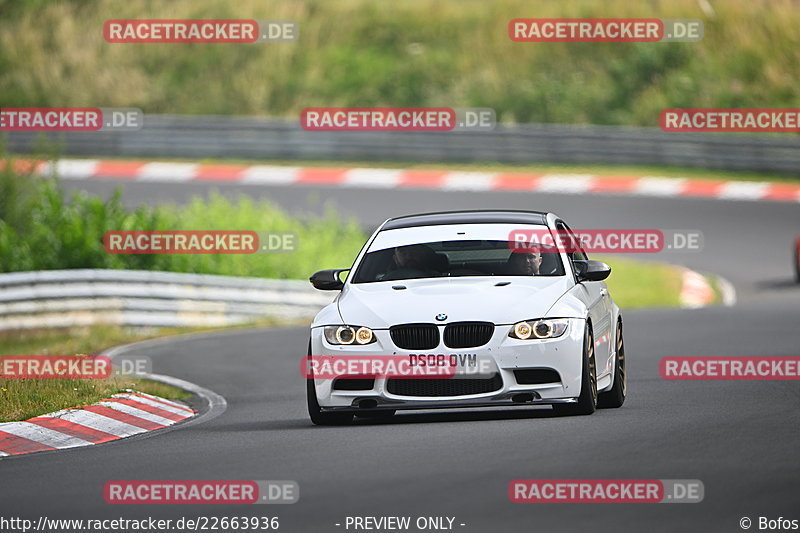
(348, 335)
(546, 328)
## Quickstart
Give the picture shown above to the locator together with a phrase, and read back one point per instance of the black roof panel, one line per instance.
(467, 217)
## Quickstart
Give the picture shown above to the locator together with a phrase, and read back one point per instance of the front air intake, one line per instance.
(468, 334)
(415, 336)
(536, 376)
(444, 387)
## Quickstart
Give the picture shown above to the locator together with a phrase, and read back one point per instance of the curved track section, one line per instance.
(739, 438)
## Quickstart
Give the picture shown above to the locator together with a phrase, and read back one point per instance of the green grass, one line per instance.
(21, 399)
(637, 284)
(423, 53)
(716, 285)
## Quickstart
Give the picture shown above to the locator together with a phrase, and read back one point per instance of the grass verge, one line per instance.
(716, 285)
(422, 53)
(636, 284)
(21, 399)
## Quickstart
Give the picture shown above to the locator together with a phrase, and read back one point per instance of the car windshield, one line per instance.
(457, 258)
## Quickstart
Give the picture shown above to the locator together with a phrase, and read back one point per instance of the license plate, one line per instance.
(453, 360)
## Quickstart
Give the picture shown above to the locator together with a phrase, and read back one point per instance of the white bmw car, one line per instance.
(451, 293)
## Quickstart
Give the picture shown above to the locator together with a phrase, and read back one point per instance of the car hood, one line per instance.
(378, 305)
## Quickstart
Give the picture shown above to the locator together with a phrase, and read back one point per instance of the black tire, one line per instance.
(317, 415)
(615, 396)
(587, 401)
(797, 263)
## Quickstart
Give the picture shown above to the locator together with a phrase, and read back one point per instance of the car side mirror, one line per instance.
(328, 280)
(589, 270)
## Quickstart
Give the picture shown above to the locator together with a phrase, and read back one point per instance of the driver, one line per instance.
(412, 261)
(413, 256)
(524, 263)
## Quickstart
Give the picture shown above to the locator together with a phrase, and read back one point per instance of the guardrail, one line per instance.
(67, 298)
(169, 136)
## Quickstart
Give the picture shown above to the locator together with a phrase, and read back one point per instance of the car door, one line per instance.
(594, 294)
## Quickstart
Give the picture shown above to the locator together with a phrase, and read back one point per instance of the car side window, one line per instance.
(574, 255)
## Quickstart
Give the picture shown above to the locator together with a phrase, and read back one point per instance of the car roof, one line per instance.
(494, 216)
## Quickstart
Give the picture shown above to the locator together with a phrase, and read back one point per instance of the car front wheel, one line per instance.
(587, 401)
(797, 261)
(317, 415)
(615, 396)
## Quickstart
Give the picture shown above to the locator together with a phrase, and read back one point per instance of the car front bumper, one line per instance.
(564, 355)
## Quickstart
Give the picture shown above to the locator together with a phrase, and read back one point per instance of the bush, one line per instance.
(43, 229)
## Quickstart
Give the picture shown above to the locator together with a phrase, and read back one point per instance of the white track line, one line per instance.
(269, 175)
(98, 422)
(172, 172)
(46, 436)
(565, 183)
(138, 413)
(382, 178)
(153, 403)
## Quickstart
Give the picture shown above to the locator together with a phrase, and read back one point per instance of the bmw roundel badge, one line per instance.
(441, 316)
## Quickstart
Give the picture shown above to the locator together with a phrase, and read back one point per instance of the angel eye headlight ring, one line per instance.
(542, 328)
(364, 335)
(345, 335)
(522, 330)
